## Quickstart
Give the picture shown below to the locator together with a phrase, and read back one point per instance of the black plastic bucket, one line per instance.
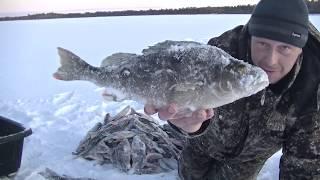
(12, 135)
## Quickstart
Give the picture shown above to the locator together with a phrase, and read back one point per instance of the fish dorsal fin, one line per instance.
(168, 45)
(118, 59)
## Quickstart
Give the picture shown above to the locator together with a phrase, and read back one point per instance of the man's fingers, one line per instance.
(164, 113)
(150, 109)
(200, 115)
(167, 112)
(188, 124)
(210, 113)
(182, 118)
(203, 114)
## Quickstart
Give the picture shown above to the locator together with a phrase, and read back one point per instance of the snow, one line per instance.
(57, 130)
(60, 113)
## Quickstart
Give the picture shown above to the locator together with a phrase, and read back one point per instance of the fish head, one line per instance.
(243, 79)
(234, 81)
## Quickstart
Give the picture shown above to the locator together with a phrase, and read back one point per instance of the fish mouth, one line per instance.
(261, 82)
(256, 81)
(260, 85)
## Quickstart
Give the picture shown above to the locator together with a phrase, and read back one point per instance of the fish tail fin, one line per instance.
(72, 66)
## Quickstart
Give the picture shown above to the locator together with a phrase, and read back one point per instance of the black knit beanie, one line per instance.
(281, 20)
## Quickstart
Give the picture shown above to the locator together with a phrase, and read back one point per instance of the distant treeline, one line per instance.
(313, 5)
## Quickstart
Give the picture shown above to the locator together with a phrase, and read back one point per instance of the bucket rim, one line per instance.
(15, 136)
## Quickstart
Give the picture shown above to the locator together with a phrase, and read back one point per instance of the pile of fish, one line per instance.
(132, 142)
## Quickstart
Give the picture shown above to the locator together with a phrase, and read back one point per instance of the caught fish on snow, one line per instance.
(190, 74)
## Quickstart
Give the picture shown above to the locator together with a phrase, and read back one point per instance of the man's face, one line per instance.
(274, 57)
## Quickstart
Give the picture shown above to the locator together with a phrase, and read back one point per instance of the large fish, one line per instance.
(190, 74)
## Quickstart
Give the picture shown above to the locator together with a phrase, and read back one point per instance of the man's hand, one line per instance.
(189, 123)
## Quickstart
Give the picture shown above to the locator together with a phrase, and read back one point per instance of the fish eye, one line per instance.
(125, 72)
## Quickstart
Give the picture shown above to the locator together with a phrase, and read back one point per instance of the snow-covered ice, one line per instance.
(57, 131)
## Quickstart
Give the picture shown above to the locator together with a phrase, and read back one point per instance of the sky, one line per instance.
(24, 7)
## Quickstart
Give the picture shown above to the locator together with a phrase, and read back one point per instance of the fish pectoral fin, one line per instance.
(112, 97)
(183, 93)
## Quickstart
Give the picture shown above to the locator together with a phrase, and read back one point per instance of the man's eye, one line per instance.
(262, 44)
(285, 49)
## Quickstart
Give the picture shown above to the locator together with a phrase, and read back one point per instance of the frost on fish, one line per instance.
(190, 74)
(132, 142)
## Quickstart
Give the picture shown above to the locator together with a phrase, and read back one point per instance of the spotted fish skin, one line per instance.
(190, 74)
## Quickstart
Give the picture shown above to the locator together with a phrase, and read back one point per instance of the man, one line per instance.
(234, 141)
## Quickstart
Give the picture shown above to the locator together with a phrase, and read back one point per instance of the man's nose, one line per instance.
(272, 58)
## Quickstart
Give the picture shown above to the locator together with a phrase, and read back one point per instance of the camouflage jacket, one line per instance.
(244, 134)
